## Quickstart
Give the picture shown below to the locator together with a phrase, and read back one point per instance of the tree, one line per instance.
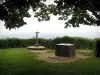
(86, 12)
(12, 12)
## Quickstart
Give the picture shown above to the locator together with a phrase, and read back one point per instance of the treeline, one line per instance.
(80, 43)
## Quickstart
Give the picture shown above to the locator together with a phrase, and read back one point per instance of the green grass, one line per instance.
(51, 50)
(20, 61)
(85, 52)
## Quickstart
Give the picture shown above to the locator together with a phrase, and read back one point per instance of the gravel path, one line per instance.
(50, 57)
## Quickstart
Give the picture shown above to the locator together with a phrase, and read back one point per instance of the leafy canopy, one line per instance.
(85, 12)
(12, 12)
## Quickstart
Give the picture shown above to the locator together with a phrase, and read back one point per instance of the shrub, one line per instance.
(14, 43)
(80, 43)
(55, 41)
(97, 48)
(83, 43)
(3, 43)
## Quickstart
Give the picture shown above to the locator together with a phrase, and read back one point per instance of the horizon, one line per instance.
(50, 35)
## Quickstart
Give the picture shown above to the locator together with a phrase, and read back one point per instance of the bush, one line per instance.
(80, 43)
(14, 43)
(84, 43)
(3, 43)
(55, 41)
(97, 49)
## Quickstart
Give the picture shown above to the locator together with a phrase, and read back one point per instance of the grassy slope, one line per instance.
(20, 61)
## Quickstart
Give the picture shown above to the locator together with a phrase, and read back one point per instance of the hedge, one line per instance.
(97, 48)
(80, 43)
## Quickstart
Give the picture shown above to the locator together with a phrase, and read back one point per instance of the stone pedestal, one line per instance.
(66, 50)
(36, 47)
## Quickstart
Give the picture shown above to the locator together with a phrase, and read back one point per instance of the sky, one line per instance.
(49, 29)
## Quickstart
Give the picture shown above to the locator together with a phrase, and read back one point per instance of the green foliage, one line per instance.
(80, 43)
(84, 12)
(49, 43)
(97, 48)
(14, 42)
(83, 43)
(55, 41)
(13, 11)
(3, 43)
(68, 39)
